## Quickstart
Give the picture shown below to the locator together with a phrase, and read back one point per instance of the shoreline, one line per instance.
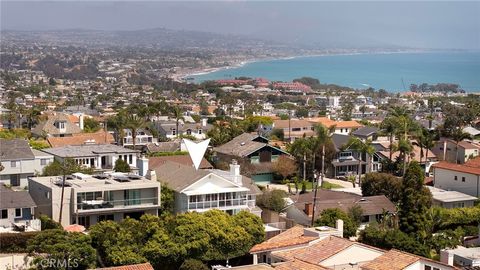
(209, 70)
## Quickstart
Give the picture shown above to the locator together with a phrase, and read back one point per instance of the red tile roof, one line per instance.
(469, 167)
(143, 266)
(289, 238)
(299, 265)
(81, 138)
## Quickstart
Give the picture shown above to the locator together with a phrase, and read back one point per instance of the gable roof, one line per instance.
(100, 137)
(289, 238)
(471, 168)
(15, 199)
(398, 260)
(48, 126)
(365, 131)
(87, 150)
(340, 140)
(154, 162)
(15, 149)
(243, 145)
(298, 123)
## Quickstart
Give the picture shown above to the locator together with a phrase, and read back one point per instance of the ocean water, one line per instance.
(392, 72)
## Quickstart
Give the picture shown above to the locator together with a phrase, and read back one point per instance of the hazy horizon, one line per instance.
(439, 25)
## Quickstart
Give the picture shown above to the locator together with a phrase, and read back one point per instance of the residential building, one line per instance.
(367, 133)
(254, 152)
(19, 162)
(347, 160)
(323, 248)
(162, 147)
(143, 137)
(339, 127)
(89, 199)
(100, 137)
(464, 178)
(154, 162)
(448, 150)
(294, 128)
(17, 210)
(57, 125)
(168, 129)
(202, 190)
(99, 157)
(373, 207)
(462, 256)
(450, 198)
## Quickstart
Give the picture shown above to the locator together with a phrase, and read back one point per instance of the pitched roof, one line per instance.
(289, 238)
(87, 150)
(48, 126)
(340, 140)
(100, 137)
(365, 131)
(163, 147)
(143, 266)
(299, 265)
(297, 123)
(15, 149)
(348, 124)
(243, 145)
(392, 260)
(471, 168)
(15, 199)
(154, 162)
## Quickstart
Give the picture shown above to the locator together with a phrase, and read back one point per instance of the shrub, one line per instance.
(15, 242)
(192, 264)
(48, 223)
(272, 200)
(121, 166)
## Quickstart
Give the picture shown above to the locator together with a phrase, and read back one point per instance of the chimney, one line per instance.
(80, 121)
(339, 225)
(152, 175)
(446, 257)
(309, 209)
(235, 172)
(204, 122)
(142, 165)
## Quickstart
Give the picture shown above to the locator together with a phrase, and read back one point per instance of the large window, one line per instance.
(89, 196)
(18, 212)
(4, 214)
(132, 196)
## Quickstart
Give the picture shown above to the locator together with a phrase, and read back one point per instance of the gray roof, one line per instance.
(167, 125)
(14, 199)
(243, 145)
(87, 150)
(15, 149)
(365, 131)
(339, 140)
(48, 127)
(163, 147)
(178, 176)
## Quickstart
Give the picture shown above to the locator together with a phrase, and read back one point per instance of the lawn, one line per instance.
(325, 185)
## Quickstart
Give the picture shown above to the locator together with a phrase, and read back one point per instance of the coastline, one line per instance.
(187, 74)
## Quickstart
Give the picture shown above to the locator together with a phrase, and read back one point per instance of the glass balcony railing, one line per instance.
(101, 204)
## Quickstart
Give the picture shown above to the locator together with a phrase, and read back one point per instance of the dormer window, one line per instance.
(60, 124)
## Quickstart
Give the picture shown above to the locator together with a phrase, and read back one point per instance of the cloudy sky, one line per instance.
(428, 24)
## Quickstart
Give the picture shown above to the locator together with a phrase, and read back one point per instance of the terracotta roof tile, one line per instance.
(391, 260)
(299, 265)
(291, 237)
(81, 138)
(143, 266)
(472, 168)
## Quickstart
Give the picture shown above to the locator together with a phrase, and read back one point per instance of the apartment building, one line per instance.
(89, 199)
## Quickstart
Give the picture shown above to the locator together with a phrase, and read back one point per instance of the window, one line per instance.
(463, 179)
(428, 267)
(43, 161)
(455, 178)
(15, 180)
(189, 132)
(13, 164)
(18, 212)
(174, 132)
(199, 131)
(4, 214)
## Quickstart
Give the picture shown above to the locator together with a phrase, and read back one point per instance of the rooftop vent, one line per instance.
(100, 176)
(134, 177)
(121, 178)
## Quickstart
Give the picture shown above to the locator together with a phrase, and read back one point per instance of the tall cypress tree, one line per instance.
(415, 201)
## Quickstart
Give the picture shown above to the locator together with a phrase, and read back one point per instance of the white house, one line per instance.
(463, 178)
(17, 210)
(202, 190)
(89, 199)
(19, 162)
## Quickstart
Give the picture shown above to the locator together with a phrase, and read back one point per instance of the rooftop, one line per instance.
(15, 149)
(88, 150)
(469, 167)
(449, 195)
(14, 199)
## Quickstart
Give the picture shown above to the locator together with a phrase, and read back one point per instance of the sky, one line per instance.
(427, 24)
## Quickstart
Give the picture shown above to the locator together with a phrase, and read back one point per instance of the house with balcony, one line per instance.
(97, 156)
(168, 129)
(203, 190)
(143, 138)
(17, 210)
(19, 162)
(89, 199)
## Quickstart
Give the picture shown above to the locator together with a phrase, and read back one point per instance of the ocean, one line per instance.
(393, 72)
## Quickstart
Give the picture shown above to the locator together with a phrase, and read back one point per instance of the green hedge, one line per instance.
(15, 242)
(453, 217)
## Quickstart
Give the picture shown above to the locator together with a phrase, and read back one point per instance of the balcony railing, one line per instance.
(101, 204)
(221, 204)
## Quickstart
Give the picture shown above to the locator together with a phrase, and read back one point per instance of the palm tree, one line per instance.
(364, 148)
(389, 126)
(458, 135)
(405, 148)
(177, 113)
(134, 123)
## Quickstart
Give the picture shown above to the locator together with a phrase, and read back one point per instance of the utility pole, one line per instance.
(316, 183)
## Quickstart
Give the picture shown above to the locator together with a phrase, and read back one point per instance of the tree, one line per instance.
(347, 109)
(277, 134)
(177, 113)
(364, 148)
(135, 123)
(458, 135)
(301, 112)
(69, 166)
(329, 217)
(48, 223)
(90, 125)
(121, 166)
(167, 197)
(193, 264)
(65, 250)
(415, 200)
(389, 126)
(382, 184)
(285, 166)
(38, 144)
(272, 200)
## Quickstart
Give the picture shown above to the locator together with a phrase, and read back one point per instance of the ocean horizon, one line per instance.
(393, 72)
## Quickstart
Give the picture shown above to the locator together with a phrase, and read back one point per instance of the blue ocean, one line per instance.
(392, 72)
